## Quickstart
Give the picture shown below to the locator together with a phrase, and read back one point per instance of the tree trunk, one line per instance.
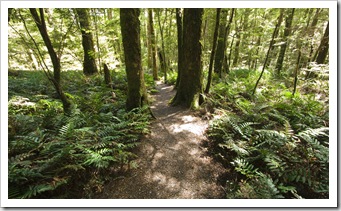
(40, 22)
(190, 85)
(225, 67)
(130, 30)
(9, 13)
(162, 50)
(107, 77)
(219, 56)
(153, 45)
(268, 53)
(286, 34)
(296, 71)
(97, 38)
(180, 45)
(149, 42)
(236, 49)
(89, 63)
(324, 46)
(230, 54)
(275, 35)
(215, 36)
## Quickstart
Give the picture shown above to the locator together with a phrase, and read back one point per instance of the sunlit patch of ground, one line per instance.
(172, 162)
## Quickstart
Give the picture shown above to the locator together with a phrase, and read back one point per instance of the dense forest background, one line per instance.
(80, 81)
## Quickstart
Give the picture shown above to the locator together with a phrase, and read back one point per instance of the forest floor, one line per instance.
(172, 160)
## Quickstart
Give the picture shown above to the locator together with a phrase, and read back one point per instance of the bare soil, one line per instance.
(172, 160)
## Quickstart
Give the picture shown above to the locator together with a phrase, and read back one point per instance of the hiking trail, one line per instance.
(172, 161)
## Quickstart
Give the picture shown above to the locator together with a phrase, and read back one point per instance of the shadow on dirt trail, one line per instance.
(172, 162)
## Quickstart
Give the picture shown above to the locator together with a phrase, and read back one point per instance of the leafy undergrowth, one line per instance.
(52, 155)
(273, 144)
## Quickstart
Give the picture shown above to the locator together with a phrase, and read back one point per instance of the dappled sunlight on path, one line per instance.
(172, 161)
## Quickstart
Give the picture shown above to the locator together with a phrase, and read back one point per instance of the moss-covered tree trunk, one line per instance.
(286, 34)
(130, 30)
(89, 62)
(190, 86)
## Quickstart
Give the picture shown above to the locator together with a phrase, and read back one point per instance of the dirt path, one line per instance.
(172, 162)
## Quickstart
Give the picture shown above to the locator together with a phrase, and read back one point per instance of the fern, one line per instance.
(245, 168)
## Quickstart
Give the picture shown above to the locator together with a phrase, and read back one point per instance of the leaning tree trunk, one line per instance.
(180, 45)
(324, 46)
(190, 85)
(89, 63)
(275, 35)
(269, 50)
(130, 29)
(286, 34)
(215, 36)
(40, 22)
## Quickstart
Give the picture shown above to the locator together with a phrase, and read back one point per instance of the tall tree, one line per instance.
(279, 20)
(152, 43)
(227, 32)
(272, 53)
(180, 45)
(41, 24)
(190, 86)
(215, 36)
(162, 53)
(323, 48)
(89, 62)
(286, 34)
(219, 56)
(311, 32)
(130, 30)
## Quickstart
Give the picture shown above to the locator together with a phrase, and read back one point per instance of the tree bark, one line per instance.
(225, 67)
(286, 34)
(40, 22)
(269, 50)
(190, 85)
(215, 36)
(89, 63)
(180, 45)
(9, 13)
(152, 41)
(296, 71)
(219, 56)
(275, 35)
(162, 50)
(324, 46)
(107, 77)
(130, 30)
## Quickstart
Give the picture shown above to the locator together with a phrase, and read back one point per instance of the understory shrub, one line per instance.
(276, 144)
(51, 155)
